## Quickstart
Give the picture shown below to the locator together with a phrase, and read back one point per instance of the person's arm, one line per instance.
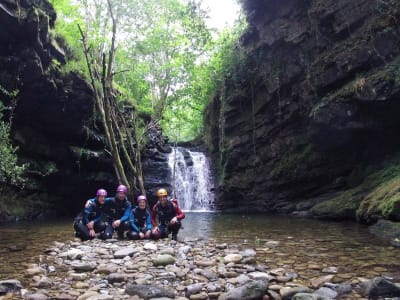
(179, 213)
(149, 226)
(127, 212)
(87, 211)
(132, 222)
(154, 215)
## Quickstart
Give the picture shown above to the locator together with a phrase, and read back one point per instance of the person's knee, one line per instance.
(133, 235)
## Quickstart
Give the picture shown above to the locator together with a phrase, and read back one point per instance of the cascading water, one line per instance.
(191, 179)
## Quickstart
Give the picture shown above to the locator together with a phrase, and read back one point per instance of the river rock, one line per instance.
(169, 251)
(193, 289)
(326, 292)
(205, 262)
(116, 277)
(107, 268)
(150, 246)
(37, 296)
(9, 286)
(259, 276)
(73, 254)
(308, 296)
(148, 292)
(251, 290)
(381, 287)
(121, 253)
(87, 295)
(341, 289)
(233, 258)
(288, 292)
(248, 253)
(86, 266)
(35, 270)
(317, 282)
(163, 260)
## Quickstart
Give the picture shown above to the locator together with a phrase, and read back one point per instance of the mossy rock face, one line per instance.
(384, 200)
(340, 207)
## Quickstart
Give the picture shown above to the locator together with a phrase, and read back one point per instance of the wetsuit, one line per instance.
(139, 221)
(164, 215)
(119, 210)
(101, 221)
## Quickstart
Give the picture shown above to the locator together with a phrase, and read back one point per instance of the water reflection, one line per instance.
(304, 246)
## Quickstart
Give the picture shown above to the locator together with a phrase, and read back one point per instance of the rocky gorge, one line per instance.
(53, 121)
(187, 269)
(306, 122)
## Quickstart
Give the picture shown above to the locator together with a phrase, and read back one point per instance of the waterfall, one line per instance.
(193, 181)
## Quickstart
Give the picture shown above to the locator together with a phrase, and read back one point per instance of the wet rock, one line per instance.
(116, 277)
(201, 296)
(193, 289)
(248, 253)
(64, 297)
(128, 251)
(381, 287)
(333, 270)
(259, 276)
(288, 292)
(107, 268)
(37, 296)
(87, 295)
(307, 296)
(341, 289)
(205, 263)
(148, 292)
(221, 246)
(73, 254)
(150, 246)
(9, 286)
(163, 260)
(326, 293)
(319, 281)
(83, 266)
(251, 290)
(233, 258)
(35, 270)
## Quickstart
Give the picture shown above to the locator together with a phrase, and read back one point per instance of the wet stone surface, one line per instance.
(190, 269)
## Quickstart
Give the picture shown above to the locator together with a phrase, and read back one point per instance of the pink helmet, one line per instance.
(101, 192)
(141, 198)
(122, 188)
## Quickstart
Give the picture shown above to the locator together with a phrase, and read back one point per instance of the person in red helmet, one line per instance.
(94, 219)
(169, 216)
(140, 221)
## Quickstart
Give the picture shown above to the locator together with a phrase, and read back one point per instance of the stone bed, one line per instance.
(190, 269)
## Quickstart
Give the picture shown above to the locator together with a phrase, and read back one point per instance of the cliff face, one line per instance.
(52, 116)
(308, 120)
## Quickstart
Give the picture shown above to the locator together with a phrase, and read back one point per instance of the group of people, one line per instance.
(103, 215)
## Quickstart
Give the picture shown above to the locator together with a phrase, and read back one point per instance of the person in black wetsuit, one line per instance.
(94, 219)
(169, 217)
(121, 208)
(140, 220)
(118, 208)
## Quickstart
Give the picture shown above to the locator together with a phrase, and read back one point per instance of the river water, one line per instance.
(299, 245)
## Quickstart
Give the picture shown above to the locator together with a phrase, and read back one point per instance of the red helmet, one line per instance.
(101, 192)
(141, 198)
(122, 189)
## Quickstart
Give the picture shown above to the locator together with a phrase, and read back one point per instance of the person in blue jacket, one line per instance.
(94, 219)
(140, 221)
(121, 208)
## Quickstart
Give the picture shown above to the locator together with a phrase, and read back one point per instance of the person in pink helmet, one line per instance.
(121, 210)
(94, 219)
(140, 220)
(118, 209)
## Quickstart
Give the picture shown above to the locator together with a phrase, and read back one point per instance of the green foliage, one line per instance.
(10, 171)
(167, 61)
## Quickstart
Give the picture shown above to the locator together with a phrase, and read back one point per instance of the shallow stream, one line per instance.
(304, 246)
